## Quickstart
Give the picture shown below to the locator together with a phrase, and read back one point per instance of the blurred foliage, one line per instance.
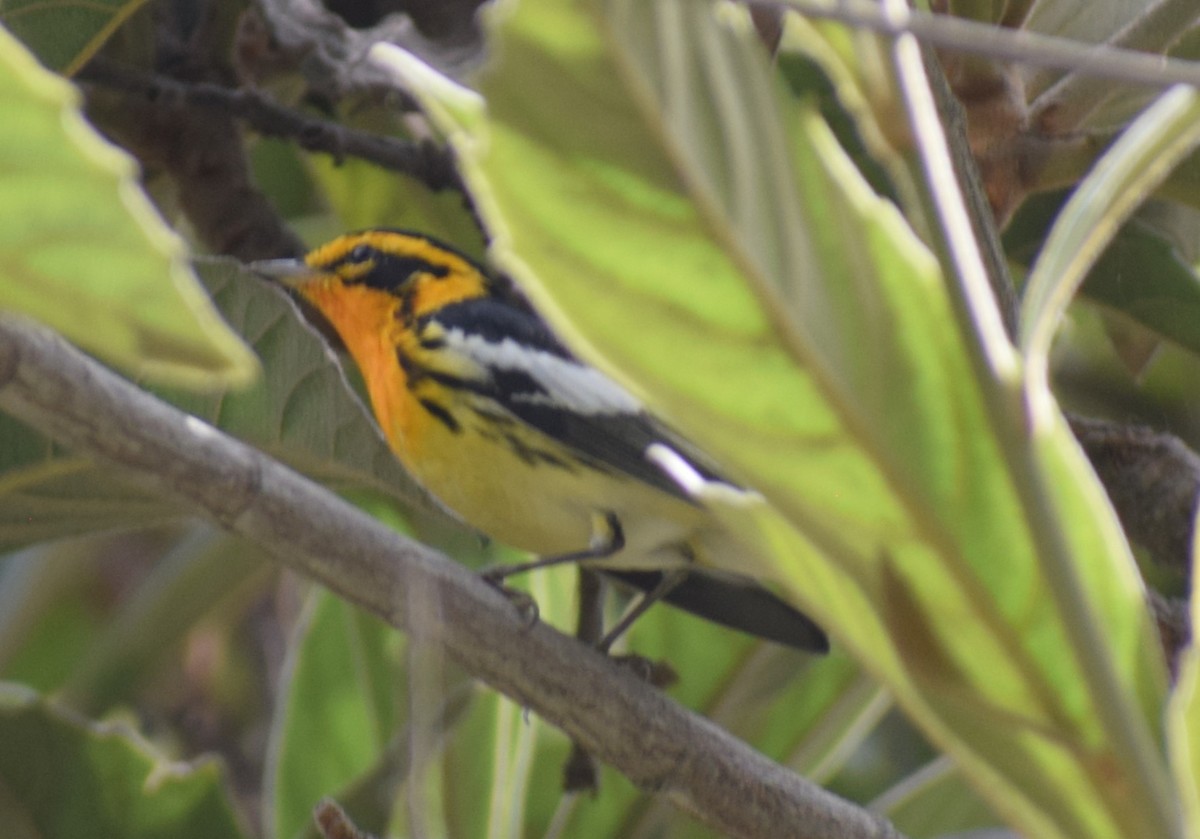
(634, 198)
(138, 304)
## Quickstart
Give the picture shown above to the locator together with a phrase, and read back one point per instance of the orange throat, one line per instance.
(366, 321)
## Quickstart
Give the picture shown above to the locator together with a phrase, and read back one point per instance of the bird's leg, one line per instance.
(637, 607)
(607, 539)
(589, 625)
(580, 773)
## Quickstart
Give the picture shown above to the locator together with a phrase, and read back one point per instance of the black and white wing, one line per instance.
(535, 378)
(528, 372)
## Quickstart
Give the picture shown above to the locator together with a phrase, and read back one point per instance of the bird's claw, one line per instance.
(525, 605)
(660, 674)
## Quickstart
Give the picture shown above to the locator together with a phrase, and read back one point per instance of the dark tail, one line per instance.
(738, 604)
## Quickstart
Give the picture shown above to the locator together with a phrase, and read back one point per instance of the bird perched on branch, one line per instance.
(496, 418)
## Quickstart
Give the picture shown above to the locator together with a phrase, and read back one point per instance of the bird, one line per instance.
(492, 414)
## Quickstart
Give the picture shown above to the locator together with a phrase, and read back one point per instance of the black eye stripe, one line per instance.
(389, 272)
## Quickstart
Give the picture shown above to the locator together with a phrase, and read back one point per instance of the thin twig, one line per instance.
(426, 161)
(1021, 47)
(1067, 105)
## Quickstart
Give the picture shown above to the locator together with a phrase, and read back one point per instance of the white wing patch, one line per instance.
(677, 468)
(568, 385)
(680, 470)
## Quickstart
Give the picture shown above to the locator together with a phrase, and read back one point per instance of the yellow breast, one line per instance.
(502, 477)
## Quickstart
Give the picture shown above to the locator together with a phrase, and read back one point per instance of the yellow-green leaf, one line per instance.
(65, 34)
(83, 250)
(1183, 722)
(687, 225)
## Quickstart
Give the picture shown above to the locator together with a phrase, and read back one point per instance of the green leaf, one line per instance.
(48, 493)
(811, 714)
(1144, 276)
(1144, 273)
(496, 766)
(1122, 179)
(304, 413)
(1105, 17)
(338, 709)
(150, 625)
(46, 619)
(362, 196)
(934, 802)
(1183, 723)
(1184, 184)
(806, 712)
(985, 11)
(65, 35)
(499, 772)
(62, 777)
(83, 250)
(855, 63)
(840, 102)
(666, 206)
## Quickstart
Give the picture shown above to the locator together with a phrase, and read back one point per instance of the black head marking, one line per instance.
(376, 268)
(390, 272)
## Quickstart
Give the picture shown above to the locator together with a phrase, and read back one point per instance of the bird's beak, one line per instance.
(293, 273)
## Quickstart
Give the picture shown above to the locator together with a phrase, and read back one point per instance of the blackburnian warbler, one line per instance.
(488, 411)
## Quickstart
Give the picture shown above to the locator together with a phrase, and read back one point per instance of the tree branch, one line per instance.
(424, 160)
(1153, 480)
(660, 746)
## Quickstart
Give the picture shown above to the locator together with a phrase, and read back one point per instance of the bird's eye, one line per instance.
(360, 253)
